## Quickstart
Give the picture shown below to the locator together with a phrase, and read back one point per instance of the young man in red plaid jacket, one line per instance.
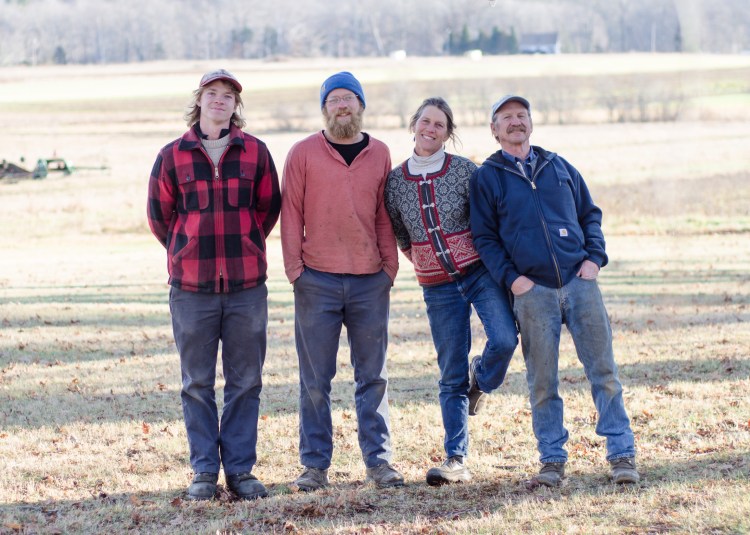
(213, 199)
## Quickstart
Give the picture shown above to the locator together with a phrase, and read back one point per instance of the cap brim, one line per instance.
(503, 102)
(232, 81)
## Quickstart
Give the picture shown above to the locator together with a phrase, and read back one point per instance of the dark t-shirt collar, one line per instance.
(350, 151)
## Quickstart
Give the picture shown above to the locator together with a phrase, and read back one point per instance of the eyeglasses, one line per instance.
(348, 99)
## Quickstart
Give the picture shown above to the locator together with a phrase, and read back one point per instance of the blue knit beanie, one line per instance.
(341, 80)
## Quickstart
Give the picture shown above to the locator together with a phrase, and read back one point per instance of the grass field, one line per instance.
(91, 432)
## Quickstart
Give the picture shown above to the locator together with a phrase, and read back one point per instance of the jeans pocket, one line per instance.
(387, 278)
(524, 294)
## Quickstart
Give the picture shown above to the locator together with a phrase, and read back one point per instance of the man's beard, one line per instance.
(347, 130)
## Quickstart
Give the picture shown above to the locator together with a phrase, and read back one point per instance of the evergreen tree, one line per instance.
(465, 42)
(58, 57)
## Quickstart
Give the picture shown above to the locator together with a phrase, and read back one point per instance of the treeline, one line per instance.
(496, 42)
(107, 31)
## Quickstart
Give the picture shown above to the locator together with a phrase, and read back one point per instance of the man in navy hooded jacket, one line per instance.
(539, 233)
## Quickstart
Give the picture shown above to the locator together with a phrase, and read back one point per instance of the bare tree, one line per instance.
(101, 31)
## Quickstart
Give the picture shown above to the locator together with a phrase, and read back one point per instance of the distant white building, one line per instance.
(474, 55)
(539, 43)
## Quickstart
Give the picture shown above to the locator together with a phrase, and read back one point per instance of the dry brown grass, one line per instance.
(91, 434)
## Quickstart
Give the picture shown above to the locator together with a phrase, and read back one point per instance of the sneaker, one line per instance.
(452, 470)
(477, 398)
(203, 486)
(384, 476)
(623, 470)
(312, 479)
(551, 474)
(246, 486)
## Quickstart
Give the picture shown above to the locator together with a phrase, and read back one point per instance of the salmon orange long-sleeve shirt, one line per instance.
(333, 216)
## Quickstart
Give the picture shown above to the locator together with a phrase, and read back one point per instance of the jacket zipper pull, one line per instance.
(522, 169)
(216, 172)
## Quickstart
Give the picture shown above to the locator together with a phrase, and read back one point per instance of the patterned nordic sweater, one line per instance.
(430, 218)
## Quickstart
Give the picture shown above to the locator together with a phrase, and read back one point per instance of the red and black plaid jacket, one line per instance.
(214, 220)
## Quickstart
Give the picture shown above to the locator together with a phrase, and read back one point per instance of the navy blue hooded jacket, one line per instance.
(542, 225)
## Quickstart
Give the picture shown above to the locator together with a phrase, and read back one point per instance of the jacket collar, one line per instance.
(498, 160)
(191, 141)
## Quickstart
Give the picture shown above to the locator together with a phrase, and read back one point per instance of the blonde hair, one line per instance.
(193, 113)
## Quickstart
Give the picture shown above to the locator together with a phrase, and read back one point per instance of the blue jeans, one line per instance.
(323, 302)
(541, 312)
(449, 312)
(239, 320)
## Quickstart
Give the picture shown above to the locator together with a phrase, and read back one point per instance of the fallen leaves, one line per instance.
(685, 400)
(311, 510)
(644, 417)
(74, 385)
(703, 450)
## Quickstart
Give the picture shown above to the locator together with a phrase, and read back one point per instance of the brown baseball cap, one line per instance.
(221, 74)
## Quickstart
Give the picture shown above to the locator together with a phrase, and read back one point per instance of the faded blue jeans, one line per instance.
(449, 312)
(323, 302)
(239, 320)
(541, 312)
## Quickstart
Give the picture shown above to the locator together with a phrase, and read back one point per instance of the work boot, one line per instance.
(246, 486)
(452, 470)
(477, 398)
(312, 479)
(623, 470)
(551, 474)
(384, 476)
(203, 486)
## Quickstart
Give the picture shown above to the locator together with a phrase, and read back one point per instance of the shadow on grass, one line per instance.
(152, 400)
(116, 314)
(81, 350)
(32, 411)
(348, 504)
(620, 275)
(105, 306)
(135, 295)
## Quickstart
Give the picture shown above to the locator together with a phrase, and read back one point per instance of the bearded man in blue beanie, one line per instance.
(340, 254)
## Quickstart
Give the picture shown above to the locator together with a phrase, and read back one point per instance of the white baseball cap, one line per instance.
(508, 98)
